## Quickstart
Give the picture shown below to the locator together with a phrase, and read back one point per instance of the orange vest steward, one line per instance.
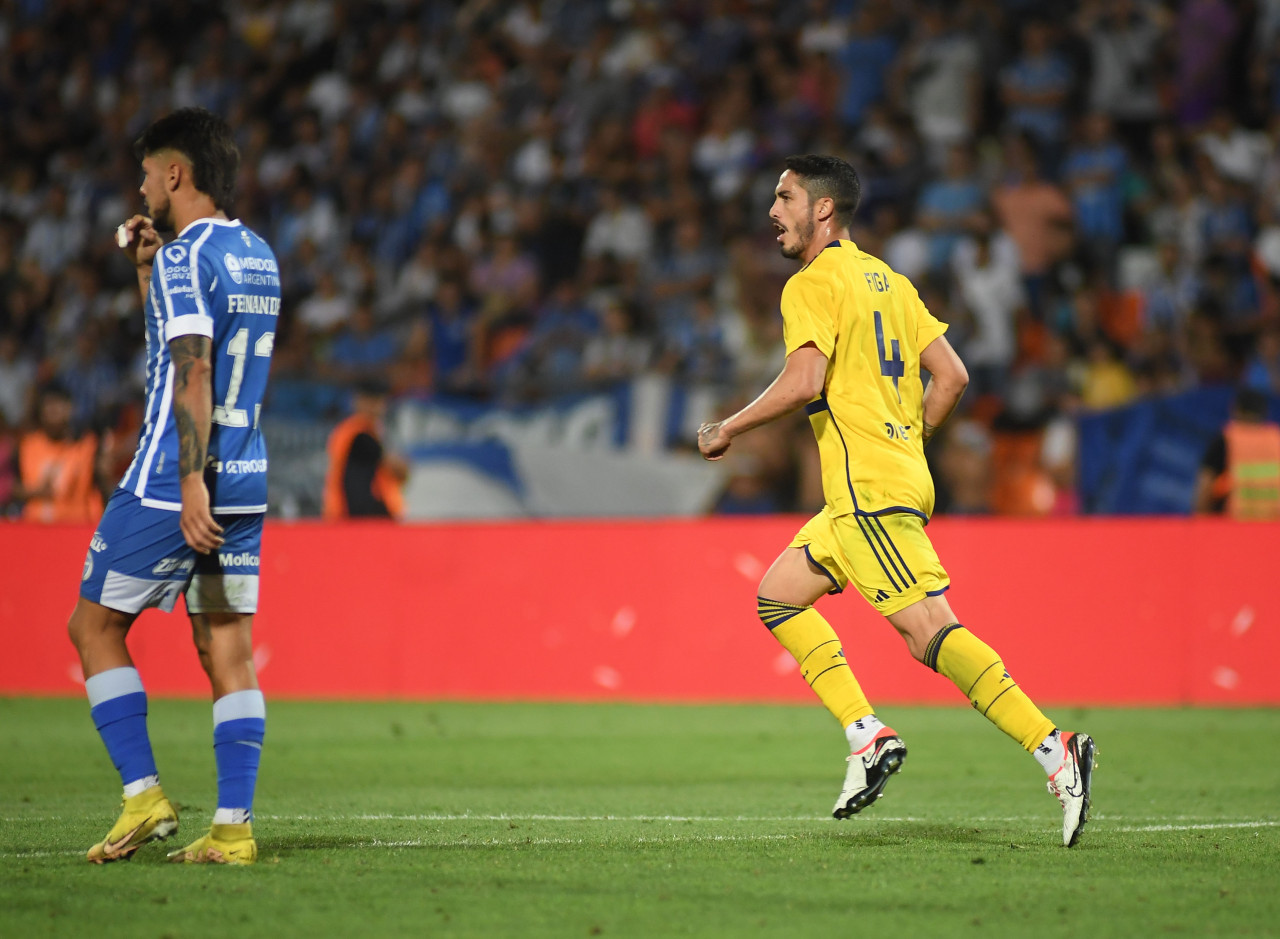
(1253, 467)
(385, 486)
(68, 465)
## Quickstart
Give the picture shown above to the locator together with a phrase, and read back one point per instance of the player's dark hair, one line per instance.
(54, 388)
(373, 387)
(829, 176)
(1251, 403)
(203, 138)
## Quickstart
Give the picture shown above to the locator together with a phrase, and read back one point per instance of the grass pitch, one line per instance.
(618, 820)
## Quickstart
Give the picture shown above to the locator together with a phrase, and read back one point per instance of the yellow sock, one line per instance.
(814, 644)
(976, 669)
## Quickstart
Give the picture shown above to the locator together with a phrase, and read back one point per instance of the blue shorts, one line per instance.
(139, 559)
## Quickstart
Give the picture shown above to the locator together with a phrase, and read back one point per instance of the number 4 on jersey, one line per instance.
(891, 366)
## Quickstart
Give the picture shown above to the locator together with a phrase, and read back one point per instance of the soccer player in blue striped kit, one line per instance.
(187, 516)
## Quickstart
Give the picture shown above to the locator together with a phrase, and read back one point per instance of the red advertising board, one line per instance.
(1084, 611)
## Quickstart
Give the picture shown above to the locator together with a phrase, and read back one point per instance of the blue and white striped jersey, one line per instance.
(216, 279)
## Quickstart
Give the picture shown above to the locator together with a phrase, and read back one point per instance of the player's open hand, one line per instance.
(139, 240)
(712, 441)
(198, 526)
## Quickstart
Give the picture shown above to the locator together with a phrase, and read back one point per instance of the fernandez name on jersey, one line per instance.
(220, 280)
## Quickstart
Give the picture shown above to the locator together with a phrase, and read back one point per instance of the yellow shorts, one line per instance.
(888, 558)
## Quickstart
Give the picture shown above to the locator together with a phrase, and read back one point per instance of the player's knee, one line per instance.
(929, 656)
(90, 624)
(915, 646)
(224, 643)
(773, 613)
(75, 628)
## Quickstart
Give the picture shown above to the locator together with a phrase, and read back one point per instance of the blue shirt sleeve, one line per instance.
(181, 286)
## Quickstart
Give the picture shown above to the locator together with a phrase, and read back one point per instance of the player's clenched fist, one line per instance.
(712, 440)
(138, 239)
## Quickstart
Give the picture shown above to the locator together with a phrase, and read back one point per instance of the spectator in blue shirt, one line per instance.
(694, 348)
(1034, 89)
(1094, 173)
(360, 350)
(864, 63)
(90, 378)
(1227, 226)
(453, 322)
(949, 206)
(1262, 371)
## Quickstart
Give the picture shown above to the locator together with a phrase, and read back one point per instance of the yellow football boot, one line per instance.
(148, 816)
(224, 844)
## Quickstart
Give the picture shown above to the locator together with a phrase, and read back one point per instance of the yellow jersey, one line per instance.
(871, 325)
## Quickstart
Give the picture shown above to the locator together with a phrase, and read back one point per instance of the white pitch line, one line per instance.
(520, 842)
(642, 839)
(507, 817)
(1191, 821)
(480, 843)
(1208, 826)
(1184, 822)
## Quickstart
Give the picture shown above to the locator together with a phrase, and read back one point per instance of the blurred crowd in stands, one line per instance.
(513, 201)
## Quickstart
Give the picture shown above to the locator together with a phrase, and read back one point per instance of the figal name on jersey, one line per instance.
(243, 559)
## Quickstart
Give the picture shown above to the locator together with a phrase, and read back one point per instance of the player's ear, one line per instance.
(173, 174)
(824, 208)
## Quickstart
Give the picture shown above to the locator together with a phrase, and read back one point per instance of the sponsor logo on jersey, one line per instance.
(88, 566)
(252, 270)
(259, 264)
(97, 543)
(169, 565)
(176, 253)
(243, 559)
(243, 466)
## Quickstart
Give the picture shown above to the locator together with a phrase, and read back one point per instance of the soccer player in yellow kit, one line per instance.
(856, 338)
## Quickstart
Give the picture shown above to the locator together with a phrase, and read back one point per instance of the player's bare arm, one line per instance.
(192, 413)
(947, 382)
(139, 240)
(800, 381)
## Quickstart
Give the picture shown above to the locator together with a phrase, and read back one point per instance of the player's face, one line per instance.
(792, 215)
(154, 191)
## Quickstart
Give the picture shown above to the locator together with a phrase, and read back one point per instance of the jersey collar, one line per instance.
(834, 244)
(210, 220)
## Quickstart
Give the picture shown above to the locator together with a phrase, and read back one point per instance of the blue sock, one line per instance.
(239, 724)
(119, 708)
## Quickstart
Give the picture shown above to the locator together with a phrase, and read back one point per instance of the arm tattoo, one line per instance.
(190, 447)
(929, 431)
(186, 352)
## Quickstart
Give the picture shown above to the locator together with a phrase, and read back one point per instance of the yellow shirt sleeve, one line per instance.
(928, 327)
(808, 313)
